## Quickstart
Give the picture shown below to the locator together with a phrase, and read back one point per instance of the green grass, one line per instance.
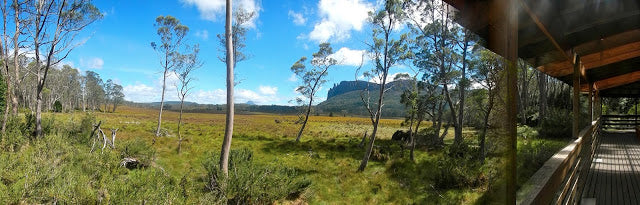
(60, 167)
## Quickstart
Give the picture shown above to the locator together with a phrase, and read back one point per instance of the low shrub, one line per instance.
(532, 154)
(139, 149)
(429, 138)
(249, 182)
(458, 173)
(556, 124)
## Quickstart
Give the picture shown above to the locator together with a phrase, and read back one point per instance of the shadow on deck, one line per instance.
(614, 174)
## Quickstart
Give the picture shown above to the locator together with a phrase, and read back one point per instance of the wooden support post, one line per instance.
(576, 96)
(590, 102)
(503, 39)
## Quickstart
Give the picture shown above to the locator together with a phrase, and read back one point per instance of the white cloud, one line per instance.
(390, 78)
(92, 63)
(268, 90)
(346, 56)
(298, 18)
(219, 96)
(293, 78)
(140, 93)
(69, 63)
(203, 34)
(211, 9)
(152, 93)
(339, 17)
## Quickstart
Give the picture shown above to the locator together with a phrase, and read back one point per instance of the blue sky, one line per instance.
(118, 46)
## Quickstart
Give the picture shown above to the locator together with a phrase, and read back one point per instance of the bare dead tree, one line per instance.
(189, 63)
(53, 36)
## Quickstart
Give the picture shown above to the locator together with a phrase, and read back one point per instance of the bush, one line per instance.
(429, 138)
(249, 182)
(526, 132)
(532, 154)
(138, 149)
(57, 106)
(458, 173)
(13, 138)
(557, 124)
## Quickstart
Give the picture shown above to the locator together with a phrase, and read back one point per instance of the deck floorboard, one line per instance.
(614, 174)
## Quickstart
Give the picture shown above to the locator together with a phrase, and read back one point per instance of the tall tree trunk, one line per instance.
(413, 139)
(4, 49)
(306, 118)
(542, 84)
(483, 134)
(457, 135)
(228, 131)
(463, 87)
(164, 86)
(16, 47)
(378, 113)
(39, 104)
(179, 124)
(410, 137)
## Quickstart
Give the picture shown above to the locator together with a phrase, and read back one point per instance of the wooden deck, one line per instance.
(614, 176)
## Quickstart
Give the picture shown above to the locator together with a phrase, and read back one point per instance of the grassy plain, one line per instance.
(60, 168)
(328, 154)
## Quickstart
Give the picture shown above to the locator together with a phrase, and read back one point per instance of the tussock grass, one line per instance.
(59, 168)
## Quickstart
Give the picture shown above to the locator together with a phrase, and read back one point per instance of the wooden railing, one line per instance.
(561, 179)
(620, 122)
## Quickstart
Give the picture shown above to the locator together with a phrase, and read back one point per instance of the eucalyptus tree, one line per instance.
(189, 63)
(387, 50)
(108, 89)
(488, 70)
(234, 53)
(4, 51)
(117, 96)
(409, 98)
(94, 90)
(312, 78)
(171, 33)
(20, 21)
(55, 24)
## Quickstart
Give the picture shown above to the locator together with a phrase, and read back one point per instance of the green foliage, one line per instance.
(3, 93)
(429, 138)
(138, 149)
(55, 169)
(459, 173)
(57, 106)
(14, 136)
(557, 124)
(251, 183)
(533, 152)
(526, 132)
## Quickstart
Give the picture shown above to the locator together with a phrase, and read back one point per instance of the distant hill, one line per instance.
(173, 103)
(344, 98)
(240, 108)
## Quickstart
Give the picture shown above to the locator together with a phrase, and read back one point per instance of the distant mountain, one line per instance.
(348, 86)
(345, 98)
(173, 103)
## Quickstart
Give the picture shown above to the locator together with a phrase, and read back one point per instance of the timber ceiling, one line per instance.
(604, 33)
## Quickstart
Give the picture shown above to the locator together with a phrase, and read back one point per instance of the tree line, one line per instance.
(37, 36)
(71, 89)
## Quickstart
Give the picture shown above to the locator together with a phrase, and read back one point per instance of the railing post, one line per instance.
(503, 39)
(576, 95)
(590, 102)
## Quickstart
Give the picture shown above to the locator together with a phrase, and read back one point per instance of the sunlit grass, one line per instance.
(328, 154)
